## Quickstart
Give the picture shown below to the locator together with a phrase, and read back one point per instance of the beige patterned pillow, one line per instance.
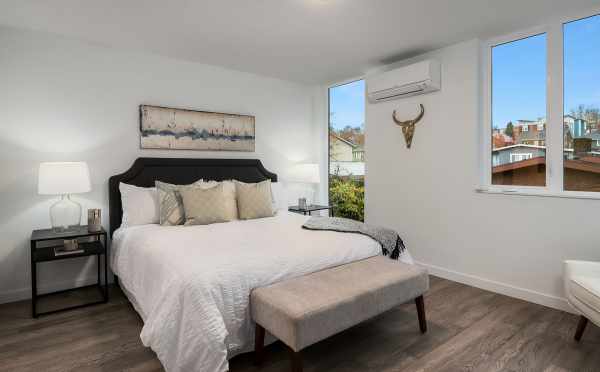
(254, 199)
(204, 206)
(229, 188)
(171, 212)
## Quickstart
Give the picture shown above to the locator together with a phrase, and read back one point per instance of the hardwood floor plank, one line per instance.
(469, 329)
(441, 357)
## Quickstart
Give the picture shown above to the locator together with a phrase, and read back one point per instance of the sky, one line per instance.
(518, 78)
(582, 58)
(519, 73)
(347, 104)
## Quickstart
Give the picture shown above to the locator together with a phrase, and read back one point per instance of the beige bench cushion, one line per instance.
(308, 309)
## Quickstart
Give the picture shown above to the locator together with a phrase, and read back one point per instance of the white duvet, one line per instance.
(191, 284)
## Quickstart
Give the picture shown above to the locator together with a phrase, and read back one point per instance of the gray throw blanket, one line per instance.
(389, 239)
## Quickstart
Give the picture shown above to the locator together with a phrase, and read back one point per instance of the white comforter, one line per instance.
(191, 284)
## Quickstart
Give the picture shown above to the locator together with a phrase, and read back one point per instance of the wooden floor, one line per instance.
(469, 330)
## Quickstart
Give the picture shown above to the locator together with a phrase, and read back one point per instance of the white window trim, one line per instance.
(554, 113)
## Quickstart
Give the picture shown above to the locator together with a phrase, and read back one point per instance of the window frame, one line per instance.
(554, 112)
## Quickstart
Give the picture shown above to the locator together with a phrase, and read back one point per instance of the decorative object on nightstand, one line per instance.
(70, 246)
(94, 220)
(44, 248)
(311, 208)
(64, 179)
(307, 174)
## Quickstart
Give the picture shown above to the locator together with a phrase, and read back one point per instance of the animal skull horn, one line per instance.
(408, 126)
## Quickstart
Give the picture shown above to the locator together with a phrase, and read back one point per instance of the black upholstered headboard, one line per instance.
(145, 171)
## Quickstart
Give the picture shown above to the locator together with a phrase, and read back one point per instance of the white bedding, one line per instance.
(191, 284)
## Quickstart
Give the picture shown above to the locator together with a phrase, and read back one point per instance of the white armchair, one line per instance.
(582, 287)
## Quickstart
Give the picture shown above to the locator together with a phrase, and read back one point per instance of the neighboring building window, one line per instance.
(346, 149)
(581, 148)
(520, 157)
(518, 80)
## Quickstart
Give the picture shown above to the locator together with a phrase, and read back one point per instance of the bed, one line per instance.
(191, 284)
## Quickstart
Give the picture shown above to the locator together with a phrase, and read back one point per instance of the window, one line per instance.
(582, 105)
(520, 157)
(518, 105)
(542, 111)
(346, 149)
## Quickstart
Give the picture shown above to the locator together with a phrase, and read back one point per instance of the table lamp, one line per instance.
(307, 173)
(64, 179)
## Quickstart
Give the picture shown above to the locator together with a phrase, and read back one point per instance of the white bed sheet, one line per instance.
(191, 284)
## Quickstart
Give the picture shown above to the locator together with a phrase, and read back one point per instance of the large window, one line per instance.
(582, 104)
(519, 112)
(542, 110)
(346, 149)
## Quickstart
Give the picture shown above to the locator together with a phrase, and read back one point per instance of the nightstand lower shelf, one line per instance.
(101, 289)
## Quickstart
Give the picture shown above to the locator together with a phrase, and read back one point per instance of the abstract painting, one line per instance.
(170, 128)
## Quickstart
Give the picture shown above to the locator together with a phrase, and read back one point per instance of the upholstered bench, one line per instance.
(304, 310)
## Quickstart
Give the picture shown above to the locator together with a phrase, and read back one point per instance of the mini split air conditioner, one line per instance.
(419, 78)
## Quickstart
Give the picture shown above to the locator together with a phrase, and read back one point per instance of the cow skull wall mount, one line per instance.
(408, 126)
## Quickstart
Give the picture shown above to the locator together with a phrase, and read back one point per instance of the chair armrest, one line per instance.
(581, 268)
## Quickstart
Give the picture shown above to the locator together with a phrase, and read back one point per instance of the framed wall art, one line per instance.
(181, 129)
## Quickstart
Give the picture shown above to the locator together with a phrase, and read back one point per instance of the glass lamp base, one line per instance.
(65, 214)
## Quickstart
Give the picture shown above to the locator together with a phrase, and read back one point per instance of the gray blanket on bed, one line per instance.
(389, 239)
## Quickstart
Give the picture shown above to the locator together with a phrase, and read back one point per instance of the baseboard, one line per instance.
(25, 293)
(543, 299)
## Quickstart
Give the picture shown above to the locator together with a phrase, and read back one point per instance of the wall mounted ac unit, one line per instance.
(418, 78)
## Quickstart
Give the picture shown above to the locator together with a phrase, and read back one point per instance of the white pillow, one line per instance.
(140, 205)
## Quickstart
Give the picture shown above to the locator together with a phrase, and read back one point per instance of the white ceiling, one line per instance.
(310, 41)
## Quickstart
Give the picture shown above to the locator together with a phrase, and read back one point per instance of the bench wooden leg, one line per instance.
(296, 361)
(259, 345)
(580, 328)
(421, 312)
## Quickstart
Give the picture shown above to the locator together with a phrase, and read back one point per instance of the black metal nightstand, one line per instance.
(311, 208)
(43, 243)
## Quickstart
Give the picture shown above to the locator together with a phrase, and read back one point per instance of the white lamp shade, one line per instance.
(60, 178)
(305, 173)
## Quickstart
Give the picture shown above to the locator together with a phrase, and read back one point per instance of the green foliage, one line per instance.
(347, 197)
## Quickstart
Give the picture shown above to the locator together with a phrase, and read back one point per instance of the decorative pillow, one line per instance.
(229, 189)
(204, 206)
(254, 200)
(170, 203)
(140, 205)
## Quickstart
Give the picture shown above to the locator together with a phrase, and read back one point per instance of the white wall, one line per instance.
(510, 244)
(61, 99)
